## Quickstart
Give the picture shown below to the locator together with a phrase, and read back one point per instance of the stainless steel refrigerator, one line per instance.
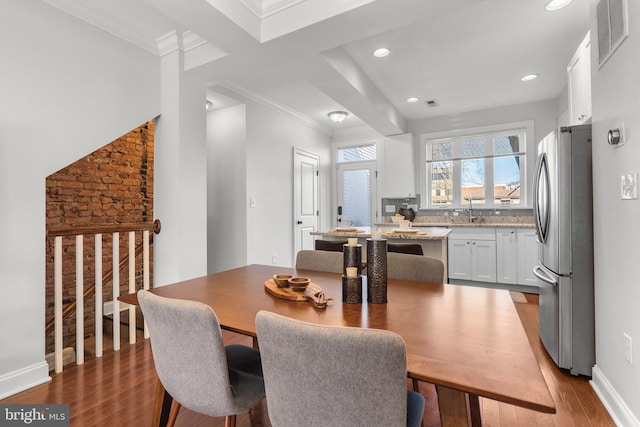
(564, 224)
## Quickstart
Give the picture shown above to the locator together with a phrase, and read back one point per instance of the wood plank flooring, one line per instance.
(118, 390)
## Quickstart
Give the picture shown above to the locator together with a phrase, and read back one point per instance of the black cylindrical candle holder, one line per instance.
(352, 256)
(377, 271)
(352, 289)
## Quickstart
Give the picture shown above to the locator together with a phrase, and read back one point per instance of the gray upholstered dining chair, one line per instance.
(194, 366)
(317, 375)
(329, 261)
(418, 268)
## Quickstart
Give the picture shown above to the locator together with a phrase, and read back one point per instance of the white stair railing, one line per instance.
(60, 313)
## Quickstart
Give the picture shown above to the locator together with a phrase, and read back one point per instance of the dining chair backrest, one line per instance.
(418, 268)
(191, 360)
(328, 261)
(317, 375)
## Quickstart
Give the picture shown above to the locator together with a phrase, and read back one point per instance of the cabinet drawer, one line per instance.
(473, 233)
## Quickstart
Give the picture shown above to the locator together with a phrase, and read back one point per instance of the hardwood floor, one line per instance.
(118, 390)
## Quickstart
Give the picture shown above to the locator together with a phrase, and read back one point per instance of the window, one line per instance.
(480, 168)
(357, 154)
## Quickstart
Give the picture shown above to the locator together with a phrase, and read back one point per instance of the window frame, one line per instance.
(524, 128)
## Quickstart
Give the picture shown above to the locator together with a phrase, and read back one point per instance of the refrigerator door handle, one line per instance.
(543, 274)
(541, 199)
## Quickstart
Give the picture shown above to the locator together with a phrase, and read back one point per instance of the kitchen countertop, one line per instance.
(423, 233)
(463, 221)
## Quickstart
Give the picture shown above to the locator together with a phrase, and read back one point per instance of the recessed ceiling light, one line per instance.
(381, 52)
(412, 99)
(556, 4)
(529, 77)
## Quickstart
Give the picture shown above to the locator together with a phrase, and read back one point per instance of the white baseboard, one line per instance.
(612, 401)
(23, 379)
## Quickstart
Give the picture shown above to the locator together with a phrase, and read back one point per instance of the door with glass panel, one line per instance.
(356, 194)
(356, 185)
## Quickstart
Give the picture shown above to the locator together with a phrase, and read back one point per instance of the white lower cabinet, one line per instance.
(472, 254)
(497, 255)
(527, 256)
(517, 254)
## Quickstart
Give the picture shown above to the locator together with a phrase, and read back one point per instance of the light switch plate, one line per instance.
(629, 186)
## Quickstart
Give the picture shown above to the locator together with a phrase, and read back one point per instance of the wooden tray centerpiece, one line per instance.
(313, 293)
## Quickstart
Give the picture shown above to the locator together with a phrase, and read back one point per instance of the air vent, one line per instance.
(613, 27)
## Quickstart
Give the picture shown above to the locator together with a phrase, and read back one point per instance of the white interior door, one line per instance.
(356, 194)
(305, 199)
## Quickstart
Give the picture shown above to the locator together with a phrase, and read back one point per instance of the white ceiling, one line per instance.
(309, 57)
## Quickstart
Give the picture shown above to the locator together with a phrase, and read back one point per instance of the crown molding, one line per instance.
(168, 43)
(191, 40)
(90, 14)
(275, 106)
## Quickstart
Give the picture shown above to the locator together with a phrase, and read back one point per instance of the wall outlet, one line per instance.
(628, 348)
(274, 259)
(389, 208)
(252, 202)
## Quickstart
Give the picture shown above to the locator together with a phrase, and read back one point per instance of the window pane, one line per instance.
(472, 172)
(354, 154)
(506, 144)
(506, 178)
(442, 151)
(441, 183)
(472, 146)
(357, 197)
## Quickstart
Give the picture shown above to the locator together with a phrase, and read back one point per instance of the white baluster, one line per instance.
(145, 268)
(79, 299)
(57, 298)
(98, 294)
(132, 286)
(115, 262)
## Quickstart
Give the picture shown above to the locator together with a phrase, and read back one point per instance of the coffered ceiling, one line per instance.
(309, 57)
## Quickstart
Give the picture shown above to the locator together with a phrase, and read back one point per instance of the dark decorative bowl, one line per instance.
(299, 284)
(282, 280)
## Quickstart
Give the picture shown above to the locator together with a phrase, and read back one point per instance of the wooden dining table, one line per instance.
(467, 341)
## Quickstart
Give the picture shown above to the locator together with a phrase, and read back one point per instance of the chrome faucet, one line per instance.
(471, 218)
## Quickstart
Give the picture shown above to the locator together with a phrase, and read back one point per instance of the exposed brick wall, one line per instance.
(112, 185)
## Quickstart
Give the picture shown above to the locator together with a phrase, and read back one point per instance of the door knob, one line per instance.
(299, 222)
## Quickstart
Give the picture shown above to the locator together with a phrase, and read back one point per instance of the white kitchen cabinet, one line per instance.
(579, 81)
(472, 254)
(517, 254)
(527, 256)
(507, 255)
(398, 167)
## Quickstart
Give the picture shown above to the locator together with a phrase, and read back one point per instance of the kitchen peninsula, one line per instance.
(432, 239)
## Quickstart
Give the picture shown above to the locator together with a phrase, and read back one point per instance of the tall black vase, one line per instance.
(377, 271)
(352, 257)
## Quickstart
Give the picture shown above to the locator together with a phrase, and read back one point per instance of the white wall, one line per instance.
(271, 137)
(615, 95)
(258, 142)
(227, 188)
(66, 89)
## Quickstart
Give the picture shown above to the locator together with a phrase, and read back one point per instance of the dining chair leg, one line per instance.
(173, 415)
(230, 421)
